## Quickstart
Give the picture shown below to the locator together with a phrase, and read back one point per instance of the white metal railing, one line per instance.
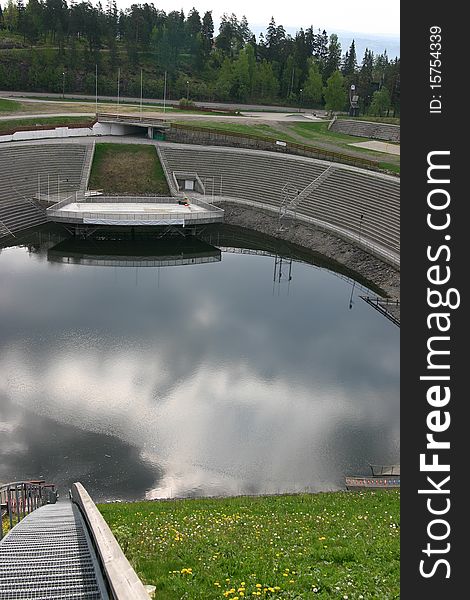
(313, 184)
(4, 230)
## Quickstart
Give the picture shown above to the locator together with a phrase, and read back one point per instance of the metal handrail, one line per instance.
(19, 498)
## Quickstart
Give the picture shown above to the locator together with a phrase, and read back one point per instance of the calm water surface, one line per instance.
(203, 379)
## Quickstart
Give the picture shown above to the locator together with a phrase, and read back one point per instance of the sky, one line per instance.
(365, 16)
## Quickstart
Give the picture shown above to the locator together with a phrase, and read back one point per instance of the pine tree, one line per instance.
(350, 61)
(207, 32)
(333, 59)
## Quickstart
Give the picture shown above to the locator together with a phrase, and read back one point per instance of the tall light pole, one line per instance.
(118, 85)
(96, 89)
(63, 85)
(300, 106)
(164, 95)
(187, 90)
(141, 89)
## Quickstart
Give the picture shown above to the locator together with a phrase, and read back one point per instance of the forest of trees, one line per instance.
(52, 45)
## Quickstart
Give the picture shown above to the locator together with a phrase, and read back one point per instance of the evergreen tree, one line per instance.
(350, 62)
(10, 16)
(207, 32)
(365, 80)
(333, 58)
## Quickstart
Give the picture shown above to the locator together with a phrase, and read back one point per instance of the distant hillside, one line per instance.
(376, 43)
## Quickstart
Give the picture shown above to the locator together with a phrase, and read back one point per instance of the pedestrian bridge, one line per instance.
(61, 550)
(132, 125)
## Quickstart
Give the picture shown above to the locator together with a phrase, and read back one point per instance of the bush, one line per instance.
(185, 103)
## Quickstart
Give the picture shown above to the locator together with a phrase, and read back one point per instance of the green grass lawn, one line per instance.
(127, 169)
(11, 124)
(340, 545)
(9, 105)
(319, 132)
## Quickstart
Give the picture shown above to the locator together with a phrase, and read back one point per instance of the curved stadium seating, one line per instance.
(336, 201)
(23, 166)
(340, 199)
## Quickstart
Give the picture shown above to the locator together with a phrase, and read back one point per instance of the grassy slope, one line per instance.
(314, 134)
(127, 169)
(335, 545)
(32, 122)
(256, 129)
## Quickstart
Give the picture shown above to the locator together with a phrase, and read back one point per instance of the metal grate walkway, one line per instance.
(49, 556)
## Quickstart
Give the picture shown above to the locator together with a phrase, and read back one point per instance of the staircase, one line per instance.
(49, 555)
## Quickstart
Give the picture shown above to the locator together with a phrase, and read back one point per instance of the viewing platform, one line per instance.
(132, 211)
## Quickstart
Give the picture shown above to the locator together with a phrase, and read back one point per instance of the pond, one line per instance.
(163, 369)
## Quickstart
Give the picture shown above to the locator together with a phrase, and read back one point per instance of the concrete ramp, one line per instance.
(49, 555)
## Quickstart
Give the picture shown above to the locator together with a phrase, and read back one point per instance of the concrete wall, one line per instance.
(67, 132)
(370, 129)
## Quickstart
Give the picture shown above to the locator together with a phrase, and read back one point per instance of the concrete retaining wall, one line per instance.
(66, 132)
(368, 129)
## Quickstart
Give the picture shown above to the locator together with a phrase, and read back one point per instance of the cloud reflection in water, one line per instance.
(192, 381)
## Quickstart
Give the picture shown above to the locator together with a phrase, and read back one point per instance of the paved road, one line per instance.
(221, 105)
(246, 118)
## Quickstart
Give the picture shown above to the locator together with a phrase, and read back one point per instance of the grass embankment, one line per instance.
(256, 129)
(31, 123)
(314, 134)
(334, 545)
(127, 169)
